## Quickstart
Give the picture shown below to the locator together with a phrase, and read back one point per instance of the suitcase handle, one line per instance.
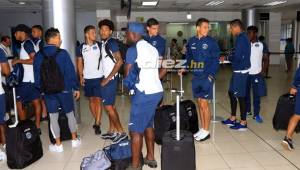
(16, 111)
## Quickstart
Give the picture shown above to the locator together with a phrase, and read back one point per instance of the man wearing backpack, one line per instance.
(90, 73)
(55, 76)
(111, 62)
(26, 91)
(5, 70)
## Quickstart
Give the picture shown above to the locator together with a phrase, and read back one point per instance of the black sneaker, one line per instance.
(97, 130)
(109, 135)
(39, 131)
(119, 138)
(287, 144)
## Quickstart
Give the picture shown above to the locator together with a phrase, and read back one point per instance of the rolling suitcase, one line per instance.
(65, 133)
(178, 142)
(285, 109)
(23, 143)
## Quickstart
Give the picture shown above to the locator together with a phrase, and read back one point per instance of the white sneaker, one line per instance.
(198, 133)
(2, 156)
(202, 136)
(55, 148)
(76, 143)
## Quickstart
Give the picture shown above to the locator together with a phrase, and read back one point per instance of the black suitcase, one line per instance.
(65, 133)
(285, 109)
(23, 143)
(178, 149)
(188, 110)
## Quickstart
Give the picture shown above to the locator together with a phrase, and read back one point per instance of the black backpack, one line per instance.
(52, 80)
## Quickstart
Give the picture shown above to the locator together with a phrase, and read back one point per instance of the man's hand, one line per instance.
(14, 62)
(181, 71)
(76, 95)
(82, 81)
(293, 91)
(222, 59)
(105, 81)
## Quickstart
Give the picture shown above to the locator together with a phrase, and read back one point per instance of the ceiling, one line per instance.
(163, 5)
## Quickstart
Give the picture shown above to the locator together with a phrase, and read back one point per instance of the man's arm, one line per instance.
(80, 69)
(29, 48)
(215, 57)
(5, 69)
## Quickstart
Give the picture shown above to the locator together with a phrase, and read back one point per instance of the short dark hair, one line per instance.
(253, 28)
(50, 33)
(4, 38)
(38, 27)
(88, 28)
(174, 40)
(201, 20)
(106, 22)
(261, 38)
(237, 22)
(22, 28)
(151, 22)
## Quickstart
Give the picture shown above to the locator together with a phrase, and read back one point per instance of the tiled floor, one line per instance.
(256, 149)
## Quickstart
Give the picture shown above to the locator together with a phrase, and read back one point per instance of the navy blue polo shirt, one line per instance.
(158, 42)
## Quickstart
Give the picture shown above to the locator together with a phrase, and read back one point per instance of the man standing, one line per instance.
(266, 60)
(90, 73)
(111, 62)
(240, 65)
(256, 80)
(5, 45)
(142, 61)
(289, 53)
(64, 98)
(203, 58)
(26, 91)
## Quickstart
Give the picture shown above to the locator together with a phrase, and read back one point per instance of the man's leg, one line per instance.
(114, 117)
(54, 127)
(98, 110)
(2, 133)
(248, 95)
(233, 105)
(21, 111)
(44, 109)
(149, 138)
(292, 125)
(37, 109)
(201, 114)
(204, 105)
(136, 147)
(242, 103)
(92, 106)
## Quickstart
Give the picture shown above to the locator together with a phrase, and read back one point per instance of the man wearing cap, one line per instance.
(26, 91)
(142, 77)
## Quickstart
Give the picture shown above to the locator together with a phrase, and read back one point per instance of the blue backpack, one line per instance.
(16, 76)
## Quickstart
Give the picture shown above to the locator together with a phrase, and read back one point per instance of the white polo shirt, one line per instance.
(106, 62)
(256, 58)
(28, 68)
(148, 62)
(91, 55)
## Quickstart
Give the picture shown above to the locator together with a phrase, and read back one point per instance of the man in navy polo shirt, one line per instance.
(5, 70)
(62, 99)
(148, 91)
(240, 65)
(203, 51)
(90, 73)
(26, 91)
(111, 62)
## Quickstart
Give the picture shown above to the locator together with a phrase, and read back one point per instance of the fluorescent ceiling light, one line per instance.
(275, 3)
(178, 23)
(188, 16)
(214, 3)
(21, 3)
(149, 3)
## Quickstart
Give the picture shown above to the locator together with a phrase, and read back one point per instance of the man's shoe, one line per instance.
(258, 118)
(239, 127)
(198, 133)
(203, 136)
(97, 130)
(132, 168)
(150, 163)
(287, 144)
(108, 135)
(119, 138)
(56, 148)
(76, 143)
(39, 131)
(229, 122)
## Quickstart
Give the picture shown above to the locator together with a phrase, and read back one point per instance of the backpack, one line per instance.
(16, 76)
(52, 80)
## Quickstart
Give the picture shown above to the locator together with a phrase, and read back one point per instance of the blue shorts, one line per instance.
(202, 88)
(27, 92)
(109, 92)
(143, 110)
(2, 108)
(238, 84)
(297, 103)
(64, 100)
(92, 88)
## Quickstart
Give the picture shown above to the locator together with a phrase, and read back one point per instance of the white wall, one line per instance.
(274, 36)
(9, 20)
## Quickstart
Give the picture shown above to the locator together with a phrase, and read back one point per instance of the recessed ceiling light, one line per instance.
(275, 3)
(21, 3)
(214, 3)
(188, 16)
(149, 3)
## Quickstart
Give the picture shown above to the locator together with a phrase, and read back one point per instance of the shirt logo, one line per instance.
(154, 43)
(256, 45)
(95, 48)
(193, 48)
(204, 46)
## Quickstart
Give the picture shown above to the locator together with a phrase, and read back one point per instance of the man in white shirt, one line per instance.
(90, 73)
(5, 45)
(256, 81)
(142, 76)
(111, 62)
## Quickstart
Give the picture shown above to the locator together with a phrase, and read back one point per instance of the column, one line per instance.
(249, 17)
